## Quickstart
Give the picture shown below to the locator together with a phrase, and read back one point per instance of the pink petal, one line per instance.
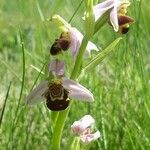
(77, 91)
(57, 67)
(76, 39)
(90, 46)
(101, 8)
(87, 138)
(78, 127)
(114, 19)
(36, 95)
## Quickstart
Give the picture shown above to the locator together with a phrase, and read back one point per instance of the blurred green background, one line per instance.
(120, 84)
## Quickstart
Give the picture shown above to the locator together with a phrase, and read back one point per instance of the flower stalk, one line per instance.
(89, 18)
(59, 125)
(57, 134)
(78, 61)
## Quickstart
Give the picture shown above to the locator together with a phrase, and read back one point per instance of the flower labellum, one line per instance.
(61, 44)
(55, 48)
(56, 97)
(123, 20)
(83, 128)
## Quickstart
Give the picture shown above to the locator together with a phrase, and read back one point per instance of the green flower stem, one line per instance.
(54, 116)
(57, 134)
(59, 128)
(78, 62)
(63, 114)
(89, 18)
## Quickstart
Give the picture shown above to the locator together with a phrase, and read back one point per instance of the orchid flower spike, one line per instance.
(118, 10)
(83, 128)
(58, 92)
(70, 38)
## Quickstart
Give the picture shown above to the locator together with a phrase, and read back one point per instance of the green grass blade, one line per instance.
(6, 98)
(21, 90)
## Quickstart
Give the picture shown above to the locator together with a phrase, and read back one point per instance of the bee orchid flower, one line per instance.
(58, 92)
(117, 16)
(70, 38)
(83, 128)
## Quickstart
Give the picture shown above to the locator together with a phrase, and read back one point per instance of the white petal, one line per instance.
(90, 46)
(87, 138)
(101, 8)
(36, 95)
(104, 4)
(57, 67)
(77, 91)
(114, 15)
(114, 19)
(76, 38)
(78, 127)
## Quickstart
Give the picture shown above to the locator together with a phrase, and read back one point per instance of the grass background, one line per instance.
(120, 84)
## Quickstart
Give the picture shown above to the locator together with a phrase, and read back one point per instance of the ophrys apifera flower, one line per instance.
(57, 92)
(84, 129)
(70, 38)
(117, 10)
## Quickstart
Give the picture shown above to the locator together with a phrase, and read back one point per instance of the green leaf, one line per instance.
(3, 108)
(99, 57)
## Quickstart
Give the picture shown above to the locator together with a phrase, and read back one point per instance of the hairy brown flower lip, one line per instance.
(125, 20)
